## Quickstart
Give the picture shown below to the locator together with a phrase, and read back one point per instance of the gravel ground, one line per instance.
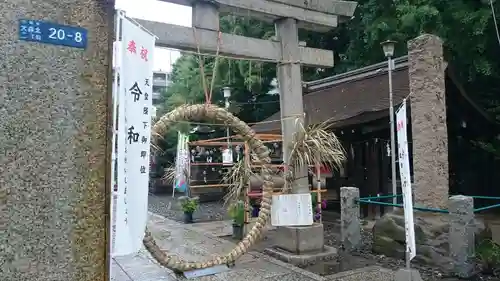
(165, 205)
(365, 257)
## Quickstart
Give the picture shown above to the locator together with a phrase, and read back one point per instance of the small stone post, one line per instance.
(461, 239)
(349, 217)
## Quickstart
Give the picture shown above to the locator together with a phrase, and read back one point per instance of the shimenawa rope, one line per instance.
(208, 112)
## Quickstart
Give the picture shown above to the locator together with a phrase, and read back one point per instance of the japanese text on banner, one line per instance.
(136, 78)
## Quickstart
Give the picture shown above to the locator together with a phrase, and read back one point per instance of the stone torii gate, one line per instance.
(288, 16)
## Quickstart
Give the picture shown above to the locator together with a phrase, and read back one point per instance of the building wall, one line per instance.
(54, 105)
(428, 116)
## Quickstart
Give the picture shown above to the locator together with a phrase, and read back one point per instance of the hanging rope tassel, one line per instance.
(202, 67)
(201, 64)
(216, 64)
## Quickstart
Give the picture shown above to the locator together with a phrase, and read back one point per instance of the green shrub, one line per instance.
(488, 253)
(188, 205)
(237, 212)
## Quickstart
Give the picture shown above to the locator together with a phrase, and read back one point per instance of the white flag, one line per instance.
(133, 141)
(405, 175)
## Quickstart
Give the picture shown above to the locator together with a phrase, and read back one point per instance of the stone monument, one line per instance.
(426, 72)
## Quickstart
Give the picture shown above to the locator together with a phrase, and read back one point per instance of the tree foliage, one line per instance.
(466, 27)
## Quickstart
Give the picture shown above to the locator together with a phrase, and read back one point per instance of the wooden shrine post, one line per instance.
(288, 16)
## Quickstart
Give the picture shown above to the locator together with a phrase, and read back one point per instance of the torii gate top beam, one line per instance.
(317, 15)
(334, 7)
(180, 37)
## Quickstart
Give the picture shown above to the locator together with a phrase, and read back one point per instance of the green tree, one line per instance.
(466, 27)
(249, 81)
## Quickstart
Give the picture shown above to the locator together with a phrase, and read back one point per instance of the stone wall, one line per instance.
(53, 144)
(428, 116)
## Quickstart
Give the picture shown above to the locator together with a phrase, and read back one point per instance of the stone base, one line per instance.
(407, 275)
(300, 239)
(327, 253)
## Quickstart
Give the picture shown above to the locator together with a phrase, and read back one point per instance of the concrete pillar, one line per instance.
(54, 142)
(290, 87)
(296, 240)
(428, 116)
(349, 218)
(205, 16)
(461, 238)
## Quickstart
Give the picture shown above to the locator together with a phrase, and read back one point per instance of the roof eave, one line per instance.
(354, 75)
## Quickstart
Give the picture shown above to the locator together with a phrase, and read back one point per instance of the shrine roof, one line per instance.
(353, 97)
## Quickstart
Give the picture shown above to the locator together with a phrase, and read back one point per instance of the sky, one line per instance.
(160, 12)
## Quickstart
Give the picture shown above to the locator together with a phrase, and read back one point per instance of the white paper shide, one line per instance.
(133, 140)
(404, 171)
(227, 156)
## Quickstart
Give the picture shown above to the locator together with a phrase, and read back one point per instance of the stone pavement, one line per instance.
(192, 244)
(200, 241)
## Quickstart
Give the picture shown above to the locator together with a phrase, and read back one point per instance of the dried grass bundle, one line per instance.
(313, 145)
(237, 178)
(171, 173)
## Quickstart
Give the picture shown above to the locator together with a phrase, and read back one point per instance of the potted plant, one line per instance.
(188, 206)
(237, 213)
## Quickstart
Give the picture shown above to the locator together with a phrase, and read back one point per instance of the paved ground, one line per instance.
(200, 241)
(212, 218)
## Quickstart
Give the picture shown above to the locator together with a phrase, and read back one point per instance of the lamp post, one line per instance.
(227, 94)
(388, 47)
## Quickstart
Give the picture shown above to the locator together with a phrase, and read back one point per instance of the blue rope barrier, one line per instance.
(380, 197)
(486, 208)
(368, 200)
(424, 209)
(485, 197)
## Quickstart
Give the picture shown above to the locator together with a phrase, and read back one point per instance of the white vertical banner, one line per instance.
(177, 161)
(134, 118)
(405, 175)
(182, 163)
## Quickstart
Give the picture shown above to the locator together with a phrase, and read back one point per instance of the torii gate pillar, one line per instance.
(290, 89)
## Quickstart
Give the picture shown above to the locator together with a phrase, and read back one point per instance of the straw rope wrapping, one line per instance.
(207, 112)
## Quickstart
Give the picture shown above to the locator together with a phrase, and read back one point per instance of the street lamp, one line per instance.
(388, 47)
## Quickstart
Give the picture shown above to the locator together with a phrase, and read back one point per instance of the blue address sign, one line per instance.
(52, 33)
